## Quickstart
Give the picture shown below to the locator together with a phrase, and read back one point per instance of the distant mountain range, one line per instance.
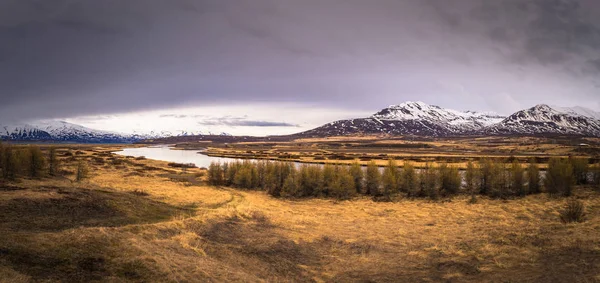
(421, 119)
(60, 131)
(408, 118)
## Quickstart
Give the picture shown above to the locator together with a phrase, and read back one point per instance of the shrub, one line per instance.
(82, 171)
(559, 177)
(328, 179)
(244, 177)
(53, 162)
(471, 178)
(533, 176)
(597, 176)
(574, 211)
(450, 180)
(372, 179)
(580, 169)
(290, 186)
(487, 168)
(428, 182)
(517, 179)
(215, 174)
(409, 180)
(229, 171)
(36, 161)
(389, 180)
(10, 163)
(261, 173)
(493, 180)
(343, 186)
(277, 173)
(310, 180)
(357, 175)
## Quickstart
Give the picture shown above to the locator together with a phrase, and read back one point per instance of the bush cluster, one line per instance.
(341, 182)
(26, 161)
(284, 179)
(488, 177)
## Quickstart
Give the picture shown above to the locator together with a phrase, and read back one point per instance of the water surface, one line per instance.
(165, 153)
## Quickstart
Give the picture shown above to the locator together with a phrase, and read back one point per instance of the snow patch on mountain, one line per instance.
(461, 120)
(53, 130)
(418, 118)
(543, 119)
(578, 110)
(22, 131)
(61, 131)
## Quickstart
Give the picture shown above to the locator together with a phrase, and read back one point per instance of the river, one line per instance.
(165, 153)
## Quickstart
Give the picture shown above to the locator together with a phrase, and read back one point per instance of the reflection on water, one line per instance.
(165, 153)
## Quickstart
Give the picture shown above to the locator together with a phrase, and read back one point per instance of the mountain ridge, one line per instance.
(62, 131)
(421, 119)
(408, 118)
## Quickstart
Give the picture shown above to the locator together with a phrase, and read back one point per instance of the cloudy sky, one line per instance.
(277, 66)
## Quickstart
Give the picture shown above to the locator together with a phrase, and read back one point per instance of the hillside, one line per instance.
(421, 119)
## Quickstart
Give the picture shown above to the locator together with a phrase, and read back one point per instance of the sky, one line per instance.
(279, 66)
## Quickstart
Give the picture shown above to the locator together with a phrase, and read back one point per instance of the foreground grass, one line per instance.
(140, 220)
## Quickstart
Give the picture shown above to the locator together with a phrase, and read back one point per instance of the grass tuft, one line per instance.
(574, 212)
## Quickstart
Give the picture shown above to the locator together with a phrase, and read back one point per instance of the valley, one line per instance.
(137, 219)
(299, 141)
(195, 209)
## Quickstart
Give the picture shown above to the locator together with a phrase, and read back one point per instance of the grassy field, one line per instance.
(456, 151)
(145, 221)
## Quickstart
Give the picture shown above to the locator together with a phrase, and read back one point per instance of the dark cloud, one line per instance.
(242, 122)
(595, 64)
(86, 27)
(66, 58)
(544, 31)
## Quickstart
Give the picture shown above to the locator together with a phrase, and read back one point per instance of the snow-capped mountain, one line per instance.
(578, 110)
(60, 131)
(455, 120)
(63, 131)
(165, 134)
(412, 118)
(543, 119)
(409, 118)
(421, 119)
(23, 132)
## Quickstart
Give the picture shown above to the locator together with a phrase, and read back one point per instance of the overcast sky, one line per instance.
(92, 59)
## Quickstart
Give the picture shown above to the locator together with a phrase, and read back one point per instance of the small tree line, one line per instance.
(486, 177)
(29, 161)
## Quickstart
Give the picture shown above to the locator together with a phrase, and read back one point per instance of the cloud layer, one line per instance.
(66, 58)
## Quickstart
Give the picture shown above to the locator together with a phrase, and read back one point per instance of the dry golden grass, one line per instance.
(199, 233)
(458, 151)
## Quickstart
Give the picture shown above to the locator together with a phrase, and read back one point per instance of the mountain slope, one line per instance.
(377, 126)
(411, 118)
(456, 120)
(543, 119)
(22, 132)
(60, 131)
(68, 132)
(418, 118)
(578, 111)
